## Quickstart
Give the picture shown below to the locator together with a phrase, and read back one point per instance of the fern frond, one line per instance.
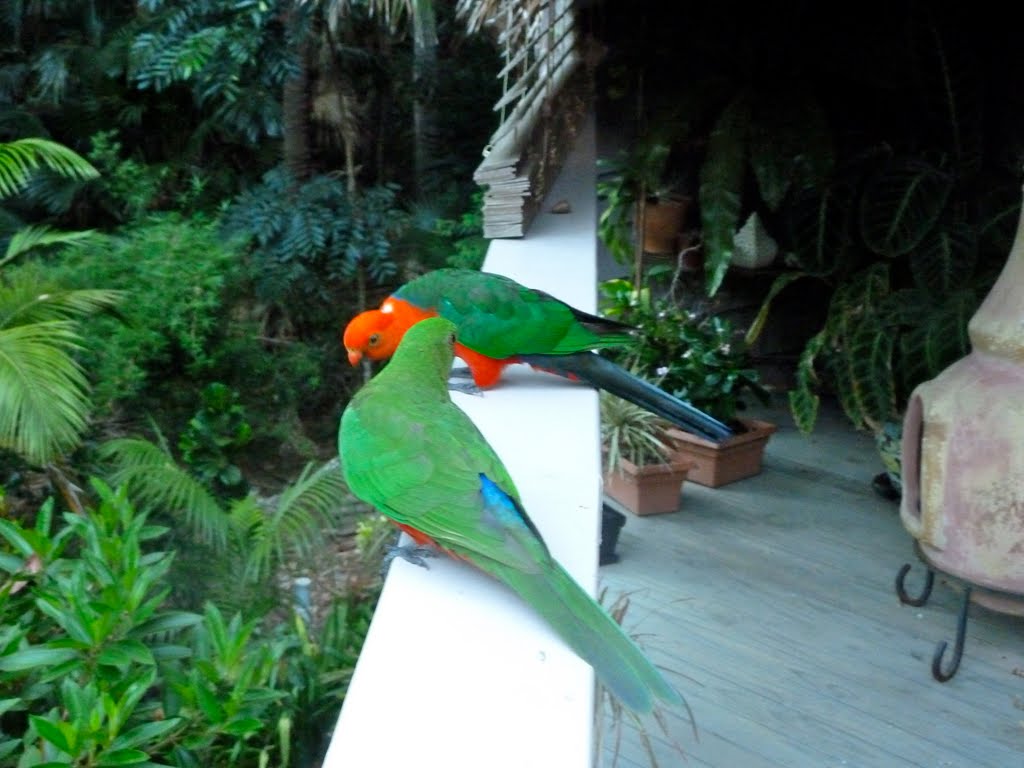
(316, 500)
(23, 303)
(156, 482)
(20, 159)
(43, 397)
(38, 236)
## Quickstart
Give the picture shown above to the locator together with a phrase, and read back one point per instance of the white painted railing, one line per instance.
(456, 670)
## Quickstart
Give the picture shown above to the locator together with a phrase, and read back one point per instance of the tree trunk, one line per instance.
(295, 111)
(425, 87)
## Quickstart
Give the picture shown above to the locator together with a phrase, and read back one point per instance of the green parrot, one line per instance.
(500, 322)
(408, 450)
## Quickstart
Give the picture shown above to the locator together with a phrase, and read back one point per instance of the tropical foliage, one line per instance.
(193, 200)
(884, 163)
(97, 668)
(43, 390)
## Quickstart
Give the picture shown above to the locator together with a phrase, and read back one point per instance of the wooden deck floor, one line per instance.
(771, 604)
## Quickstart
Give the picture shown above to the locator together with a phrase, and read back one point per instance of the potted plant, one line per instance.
(640, 471)
(643, 194)
(702, 360)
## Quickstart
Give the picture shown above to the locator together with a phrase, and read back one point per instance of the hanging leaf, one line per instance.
(860, 294)
(721, 188)
(946, 258)
(869, 357)
(939, 338)
(776, 288)
(819, 228)
(803, 401)
(901, 203)
(790, 144)
(39, 236)
(999, 211)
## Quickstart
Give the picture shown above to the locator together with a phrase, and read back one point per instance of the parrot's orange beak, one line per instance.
(354, 356)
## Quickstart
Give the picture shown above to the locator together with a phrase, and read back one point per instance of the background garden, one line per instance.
(194, 198)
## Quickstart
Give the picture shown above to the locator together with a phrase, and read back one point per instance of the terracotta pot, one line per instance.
(663, 222)
(717, 464)
(652, 489)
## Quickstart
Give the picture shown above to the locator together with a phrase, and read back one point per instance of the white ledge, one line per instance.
(456, 670)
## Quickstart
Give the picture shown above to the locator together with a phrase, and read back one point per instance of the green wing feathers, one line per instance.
(419, 459)
(594, 635)
(501, 318)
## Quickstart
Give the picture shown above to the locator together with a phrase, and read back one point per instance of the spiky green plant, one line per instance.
(629, 432)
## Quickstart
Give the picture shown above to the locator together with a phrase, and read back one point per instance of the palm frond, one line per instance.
(43, 395)
(156, 482)
(317, 499)
(20, 159)
(23, 303)
(38, 236)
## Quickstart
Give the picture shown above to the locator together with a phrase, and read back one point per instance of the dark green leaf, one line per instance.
(145, 733)
(946, 258)
(721, 184)
(778, 284)
(167, 622)
(53, 733)
(243, 726)
(209, 702)
(901, 203)
(117, 757)
(37, 656)
(790, 142)
(125, 653)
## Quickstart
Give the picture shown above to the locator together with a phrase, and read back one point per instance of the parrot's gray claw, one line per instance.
(460, 372)
(411, 553)
(465, 387)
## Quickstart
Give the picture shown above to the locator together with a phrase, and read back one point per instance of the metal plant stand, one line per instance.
(961, 626)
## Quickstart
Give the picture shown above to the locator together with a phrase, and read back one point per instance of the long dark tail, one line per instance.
(601, 373)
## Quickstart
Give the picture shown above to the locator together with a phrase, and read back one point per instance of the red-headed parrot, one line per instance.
(500, 322)
(414, 455)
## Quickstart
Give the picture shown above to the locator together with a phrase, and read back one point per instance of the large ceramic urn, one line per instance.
(963, 452)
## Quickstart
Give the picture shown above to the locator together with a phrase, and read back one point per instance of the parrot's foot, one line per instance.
(465, 387)
(411, 553)
(460, 372)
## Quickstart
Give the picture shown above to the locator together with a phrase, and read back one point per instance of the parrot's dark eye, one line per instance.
(374, 339)
(451, 338)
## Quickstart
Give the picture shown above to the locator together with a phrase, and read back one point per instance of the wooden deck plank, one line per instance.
(771, 604)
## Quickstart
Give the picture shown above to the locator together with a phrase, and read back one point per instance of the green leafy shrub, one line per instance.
(465, 236)
(702, 360)
(97, 669)
(126, 188)
(217, 431)
(176, 275)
